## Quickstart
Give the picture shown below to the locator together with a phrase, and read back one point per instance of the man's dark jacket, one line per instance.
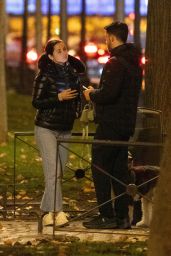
(116, 99)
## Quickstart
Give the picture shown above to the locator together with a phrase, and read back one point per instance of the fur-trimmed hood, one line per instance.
(78, 65)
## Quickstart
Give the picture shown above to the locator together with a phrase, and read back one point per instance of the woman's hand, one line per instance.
(67, 94)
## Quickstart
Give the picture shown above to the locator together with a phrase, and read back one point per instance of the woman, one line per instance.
(56, 96)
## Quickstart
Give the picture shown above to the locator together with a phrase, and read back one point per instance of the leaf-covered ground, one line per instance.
(73, 248)
(30, 183)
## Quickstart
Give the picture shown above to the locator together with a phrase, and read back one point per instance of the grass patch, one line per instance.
(51, 248)
(20, 112)
(108, 249)
(29, 174)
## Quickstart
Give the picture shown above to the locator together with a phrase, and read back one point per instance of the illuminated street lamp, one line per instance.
(90, 49)
(31, 56)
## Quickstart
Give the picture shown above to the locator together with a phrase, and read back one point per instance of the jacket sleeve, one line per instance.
(110, 83)
(40, 96)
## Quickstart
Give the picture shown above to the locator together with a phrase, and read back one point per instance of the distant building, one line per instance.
(93, 7)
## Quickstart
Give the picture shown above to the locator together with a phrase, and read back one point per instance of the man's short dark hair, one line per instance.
(118, 29)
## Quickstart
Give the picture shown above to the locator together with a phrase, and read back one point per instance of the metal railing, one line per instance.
(130, 189)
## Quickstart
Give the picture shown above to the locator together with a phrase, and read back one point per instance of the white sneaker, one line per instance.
(48, 219)
(61, 219)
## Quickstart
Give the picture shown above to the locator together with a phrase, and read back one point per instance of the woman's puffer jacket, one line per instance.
(51, 80)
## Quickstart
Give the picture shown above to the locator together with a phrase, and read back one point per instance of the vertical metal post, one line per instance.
(56, 177)
(14, 174)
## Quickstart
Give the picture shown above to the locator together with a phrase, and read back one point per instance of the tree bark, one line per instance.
(158, 54)
(159, 243)
(3, 108)
(158, 95)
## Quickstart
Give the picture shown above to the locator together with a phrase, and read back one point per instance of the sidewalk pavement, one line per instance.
(24, 231)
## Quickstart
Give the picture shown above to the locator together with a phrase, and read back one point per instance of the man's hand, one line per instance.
(87, 93)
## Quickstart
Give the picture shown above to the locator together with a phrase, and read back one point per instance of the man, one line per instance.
(115, 102)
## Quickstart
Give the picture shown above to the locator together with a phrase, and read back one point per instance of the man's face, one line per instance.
(108, 41)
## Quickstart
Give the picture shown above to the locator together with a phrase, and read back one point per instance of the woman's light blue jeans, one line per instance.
(47, 143)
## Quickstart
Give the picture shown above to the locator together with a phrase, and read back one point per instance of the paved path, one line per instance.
(24, 231)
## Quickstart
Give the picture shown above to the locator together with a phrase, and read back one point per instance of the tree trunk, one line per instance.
(120, 10)
(158, 95)
(159, 243)
(158, 52)
(3, 108)
(38, 23)
(63, 21)
(49, 21)
(22, 86)
(137, 21)
(83, 31)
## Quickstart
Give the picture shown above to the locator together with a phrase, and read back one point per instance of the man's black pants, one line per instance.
(113, 160)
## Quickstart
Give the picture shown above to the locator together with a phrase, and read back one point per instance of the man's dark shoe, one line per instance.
(100, 222)
(123, 223)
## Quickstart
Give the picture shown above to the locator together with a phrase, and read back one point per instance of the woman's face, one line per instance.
(60, 53)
